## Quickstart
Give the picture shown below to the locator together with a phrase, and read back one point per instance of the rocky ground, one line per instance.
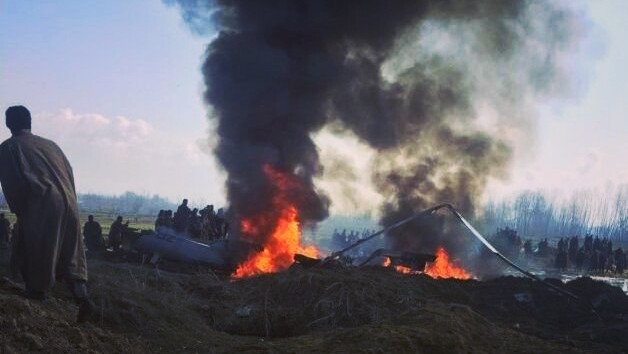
(344, 310)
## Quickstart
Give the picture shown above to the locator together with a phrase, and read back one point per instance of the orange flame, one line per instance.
(285, 239)
(442, 267)
(399, 268)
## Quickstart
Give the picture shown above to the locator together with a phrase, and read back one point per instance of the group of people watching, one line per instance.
(342, 239)
(595, 255)
(205, 224)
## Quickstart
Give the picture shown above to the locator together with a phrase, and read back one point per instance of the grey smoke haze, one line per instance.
(278, 71)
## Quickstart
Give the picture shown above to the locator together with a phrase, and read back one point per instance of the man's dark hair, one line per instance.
(18, 118)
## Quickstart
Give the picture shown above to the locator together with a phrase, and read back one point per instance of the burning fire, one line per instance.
(442, 267)
(285, 239)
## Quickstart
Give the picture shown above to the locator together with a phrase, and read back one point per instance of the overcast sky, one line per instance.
(117, 84)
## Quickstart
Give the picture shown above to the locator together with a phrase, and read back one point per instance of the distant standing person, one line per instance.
(115, 234)
(92, 231)
(5, 230)
(182, 217)
(38, 184)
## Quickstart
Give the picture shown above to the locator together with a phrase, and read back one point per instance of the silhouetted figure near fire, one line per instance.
(580, 257)
(5, 230)
(211, 223)
(543, 248)
(593, 261)
(601, 262)
(609, 247)
(182, 217)
(560, 245)
(221, 224)
(588, 243)
(527, 248)
(194, 224)
(168, 219)
(115, 233)
(93, 235)
(620, 261)
(38, 185)
(597, 244)
(573, 248)
(561, 260)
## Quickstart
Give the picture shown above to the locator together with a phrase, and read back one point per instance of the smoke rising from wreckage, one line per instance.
(311, 64)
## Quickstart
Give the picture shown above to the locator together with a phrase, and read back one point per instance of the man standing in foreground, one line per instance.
(38, 185)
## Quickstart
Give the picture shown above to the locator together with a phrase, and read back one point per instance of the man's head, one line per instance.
(119, 218)
(90, 218)
(18, 118)
(185, 202)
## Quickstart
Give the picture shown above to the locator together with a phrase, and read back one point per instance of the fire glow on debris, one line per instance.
(442, 267)
(285, 239)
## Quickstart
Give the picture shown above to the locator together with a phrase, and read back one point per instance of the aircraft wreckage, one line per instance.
(166, 243)
(227, 254)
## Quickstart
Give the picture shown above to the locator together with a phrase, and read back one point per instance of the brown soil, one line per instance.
(367, 310)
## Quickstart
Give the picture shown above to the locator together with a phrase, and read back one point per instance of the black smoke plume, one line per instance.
(278, 71)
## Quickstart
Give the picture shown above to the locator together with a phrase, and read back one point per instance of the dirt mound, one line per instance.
(343, 310)
(299, 302)
(50, 327)
(438, 328)
(605, 298)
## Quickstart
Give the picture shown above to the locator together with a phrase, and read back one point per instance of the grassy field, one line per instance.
(143, 222)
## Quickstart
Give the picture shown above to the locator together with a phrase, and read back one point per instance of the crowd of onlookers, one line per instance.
(589, 254)
(595, 255)
(344, 238)
(204, 224)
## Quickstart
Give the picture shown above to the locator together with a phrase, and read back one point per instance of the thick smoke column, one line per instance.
(279, 71)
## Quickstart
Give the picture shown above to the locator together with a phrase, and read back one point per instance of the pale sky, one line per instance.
(117, 85)
(582, 141)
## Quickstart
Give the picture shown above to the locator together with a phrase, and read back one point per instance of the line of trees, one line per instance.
(534, 214)
(128, 203)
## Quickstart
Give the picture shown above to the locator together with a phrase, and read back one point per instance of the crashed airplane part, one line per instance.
(476, 233)
(166, 243)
